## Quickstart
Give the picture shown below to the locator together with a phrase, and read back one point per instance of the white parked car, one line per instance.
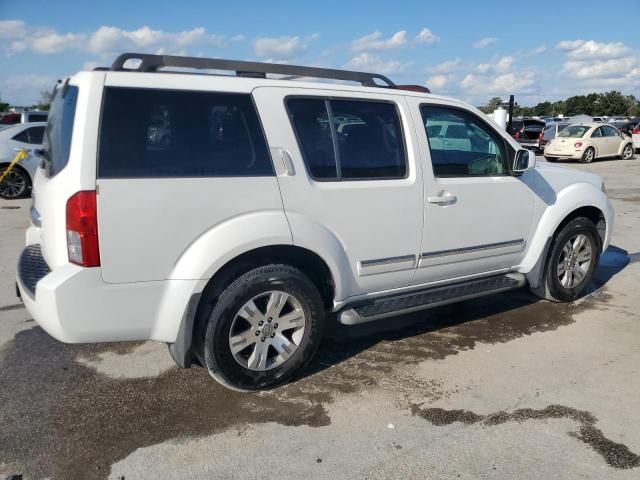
(260, 217)
(586, 142)
(13, 138)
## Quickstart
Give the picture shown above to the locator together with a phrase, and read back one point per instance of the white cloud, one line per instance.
(447, 66)
(111, 40)
(24, 90)
(374, 41)
(617, 67)
(279, 48)
(503, 84)
(583, 49)
(437, 82)
(367, 62)
(501, 65)
(484, 42)
(106, 40)
(540, 49)
(12, 29)
(427, 36)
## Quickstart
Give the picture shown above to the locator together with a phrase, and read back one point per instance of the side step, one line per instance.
(400, 304)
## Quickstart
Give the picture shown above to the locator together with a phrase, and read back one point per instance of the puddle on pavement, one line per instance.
(615, 454)
(62, 419)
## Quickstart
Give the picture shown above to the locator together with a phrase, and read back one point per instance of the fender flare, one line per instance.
(570, 199)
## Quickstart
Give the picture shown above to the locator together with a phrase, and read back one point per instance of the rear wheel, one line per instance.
(627, 153)
(15, 185)
(572, 259)
(550, 159)
(588, 155)
(263, 329)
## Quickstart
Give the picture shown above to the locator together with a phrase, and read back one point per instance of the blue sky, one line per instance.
(467, 49)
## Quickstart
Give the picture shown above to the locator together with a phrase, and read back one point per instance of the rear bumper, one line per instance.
(550, 152)
(74, 305)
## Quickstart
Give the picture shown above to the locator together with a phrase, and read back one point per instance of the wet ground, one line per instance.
(500, 387)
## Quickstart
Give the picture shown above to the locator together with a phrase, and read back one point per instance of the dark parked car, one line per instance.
(551, 132)
(528, 132)
(624, 127)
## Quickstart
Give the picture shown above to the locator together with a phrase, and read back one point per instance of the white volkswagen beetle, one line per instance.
(587, 142)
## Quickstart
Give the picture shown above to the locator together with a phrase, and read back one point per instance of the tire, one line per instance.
(551, 285)
(249, 369)
(16, 185)
(588, 155)
(627, 153)
(551, 159)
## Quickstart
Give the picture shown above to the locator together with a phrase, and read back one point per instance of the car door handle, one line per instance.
(444, 198)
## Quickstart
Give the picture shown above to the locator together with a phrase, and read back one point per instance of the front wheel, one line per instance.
(572, 259)
(588, 155)
(627, 153)
(264, 328)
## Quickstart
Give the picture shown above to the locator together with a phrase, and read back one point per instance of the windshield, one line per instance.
(574, 131)
(57, 138)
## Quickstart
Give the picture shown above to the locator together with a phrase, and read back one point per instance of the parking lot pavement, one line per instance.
(502, 387)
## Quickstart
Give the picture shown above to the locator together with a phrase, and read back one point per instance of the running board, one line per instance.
(400, 304)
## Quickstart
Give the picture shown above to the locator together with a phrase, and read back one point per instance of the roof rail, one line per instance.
(152, 63)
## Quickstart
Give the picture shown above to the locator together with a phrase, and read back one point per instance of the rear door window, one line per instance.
(171, 133)
(349, 139)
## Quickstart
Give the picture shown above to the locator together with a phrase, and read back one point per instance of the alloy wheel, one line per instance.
(267, 330)
(13, 185)
(574, 261)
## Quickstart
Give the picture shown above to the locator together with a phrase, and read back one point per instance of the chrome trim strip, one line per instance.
(477, 248)
(387, 261)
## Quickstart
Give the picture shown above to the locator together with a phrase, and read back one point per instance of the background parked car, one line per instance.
(24, 117)
(588, 142)
(625, 127)
(527, 132)
(551, 132)
(23, 136)
(635, 134)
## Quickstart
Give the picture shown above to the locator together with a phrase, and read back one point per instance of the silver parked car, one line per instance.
(13, 138)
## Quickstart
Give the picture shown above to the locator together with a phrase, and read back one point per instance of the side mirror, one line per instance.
(525, 160)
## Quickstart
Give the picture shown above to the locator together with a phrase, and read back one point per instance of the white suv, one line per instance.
(233, 216)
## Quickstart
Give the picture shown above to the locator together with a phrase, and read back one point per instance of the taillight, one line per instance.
(541, 137)
(635, 131)
(577, 144)
(82, 229)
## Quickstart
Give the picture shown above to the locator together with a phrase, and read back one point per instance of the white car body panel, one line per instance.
(162, 239)
(351, 211)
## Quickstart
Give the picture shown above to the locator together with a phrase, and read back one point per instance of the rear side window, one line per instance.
(31, 135)
(38, 118)
(57, 136)
(171, 133)
(349, 139)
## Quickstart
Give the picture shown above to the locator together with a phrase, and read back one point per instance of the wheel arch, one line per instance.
(186, 347)
(592, 212)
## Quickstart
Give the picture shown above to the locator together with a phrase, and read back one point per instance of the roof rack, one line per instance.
(151, 63)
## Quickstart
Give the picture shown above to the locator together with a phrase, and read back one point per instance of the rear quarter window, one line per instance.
(57, 136)
(171, 133)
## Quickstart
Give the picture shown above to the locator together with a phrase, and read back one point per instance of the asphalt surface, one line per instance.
(502, 387)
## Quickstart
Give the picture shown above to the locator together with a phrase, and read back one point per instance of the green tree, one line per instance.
(3, 106)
